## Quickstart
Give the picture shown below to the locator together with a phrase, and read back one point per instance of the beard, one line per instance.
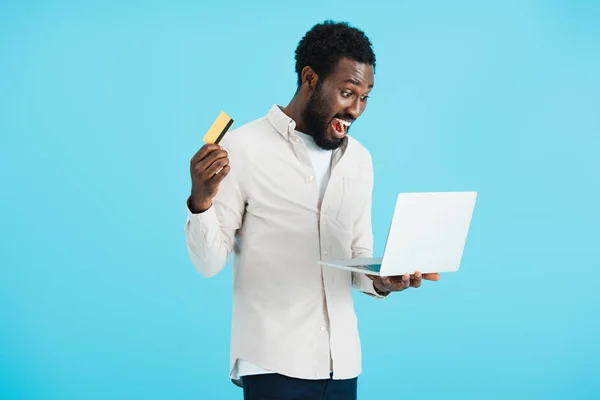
(317, 119)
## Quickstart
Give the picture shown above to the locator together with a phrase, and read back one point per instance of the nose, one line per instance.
(355, 109)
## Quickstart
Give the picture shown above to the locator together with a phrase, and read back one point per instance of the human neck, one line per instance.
(295, 110)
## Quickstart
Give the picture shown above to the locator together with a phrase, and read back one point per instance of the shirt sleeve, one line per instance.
(210, 235)
(362, 242)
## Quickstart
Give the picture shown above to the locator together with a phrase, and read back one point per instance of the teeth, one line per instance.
(343, 122)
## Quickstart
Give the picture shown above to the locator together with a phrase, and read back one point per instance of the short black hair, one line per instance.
(327, 42)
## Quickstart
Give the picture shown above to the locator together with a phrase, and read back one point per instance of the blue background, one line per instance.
(103, 103)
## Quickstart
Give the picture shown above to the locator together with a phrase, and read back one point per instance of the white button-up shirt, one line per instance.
(290, 315)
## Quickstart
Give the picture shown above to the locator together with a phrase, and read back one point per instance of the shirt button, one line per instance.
(297, 139)
(325, 252)
(323, 329)
(310, 178)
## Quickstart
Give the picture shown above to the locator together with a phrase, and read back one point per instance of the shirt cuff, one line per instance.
(365, 285)
(202, 221)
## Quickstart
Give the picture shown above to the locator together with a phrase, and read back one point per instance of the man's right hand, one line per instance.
(205, 164)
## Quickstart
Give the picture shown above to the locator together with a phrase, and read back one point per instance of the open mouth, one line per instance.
(340, 126)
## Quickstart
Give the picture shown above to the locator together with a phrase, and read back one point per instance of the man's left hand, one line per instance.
(386, 284)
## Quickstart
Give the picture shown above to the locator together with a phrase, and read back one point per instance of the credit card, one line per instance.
(218, 129)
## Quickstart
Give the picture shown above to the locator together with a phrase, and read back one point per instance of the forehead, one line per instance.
(351, 71)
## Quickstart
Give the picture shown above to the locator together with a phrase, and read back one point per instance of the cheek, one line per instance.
(339, 104)
(333, 101)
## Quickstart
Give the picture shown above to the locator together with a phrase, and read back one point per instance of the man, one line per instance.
(281, 193)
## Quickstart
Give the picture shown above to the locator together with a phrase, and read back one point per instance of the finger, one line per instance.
(387, 283)
(203, 152)
(405, 281)
(216, 166)
(202, 167)
(396, 283)
(400, 283)
(416, 280)
(210, 158)
(215, 180)
(432, 277)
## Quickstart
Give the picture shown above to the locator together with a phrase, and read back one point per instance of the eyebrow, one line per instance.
(355, 82)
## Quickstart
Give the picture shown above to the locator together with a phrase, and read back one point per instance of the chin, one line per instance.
(330, 143)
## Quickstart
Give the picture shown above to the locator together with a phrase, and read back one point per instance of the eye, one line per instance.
(346, 93)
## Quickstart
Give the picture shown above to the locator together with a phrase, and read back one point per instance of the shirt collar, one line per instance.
(280, 121)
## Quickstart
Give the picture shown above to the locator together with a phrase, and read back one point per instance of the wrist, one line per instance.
(379, 290)
(198, 207)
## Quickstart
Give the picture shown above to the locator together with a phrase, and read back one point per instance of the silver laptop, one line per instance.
(428, 233)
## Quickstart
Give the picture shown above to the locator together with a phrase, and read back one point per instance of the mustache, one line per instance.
(346, 117)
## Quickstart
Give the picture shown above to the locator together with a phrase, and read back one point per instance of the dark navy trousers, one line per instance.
(280, 387)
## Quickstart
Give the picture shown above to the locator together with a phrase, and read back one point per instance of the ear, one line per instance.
(309, 78)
